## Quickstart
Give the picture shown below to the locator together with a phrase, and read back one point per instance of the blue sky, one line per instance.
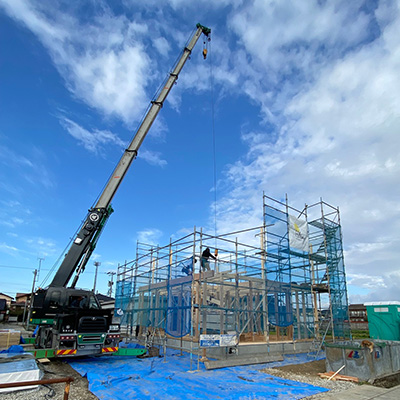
(304, 101)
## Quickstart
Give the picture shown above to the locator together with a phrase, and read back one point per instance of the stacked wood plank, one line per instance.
(337, 377)
(9, 337)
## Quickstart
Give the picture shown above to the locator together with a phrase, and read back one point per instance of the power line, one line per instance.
(43, 269)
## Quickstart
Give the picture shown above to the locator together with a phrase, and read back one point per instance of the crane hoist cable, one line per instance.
(207, 44)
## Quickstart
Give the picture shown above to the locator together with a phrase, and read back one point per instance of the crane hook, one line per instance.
(204, 49)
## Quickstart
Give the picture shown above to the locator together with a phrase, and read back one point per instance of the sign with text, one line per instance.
(210, 340)
(218, 340)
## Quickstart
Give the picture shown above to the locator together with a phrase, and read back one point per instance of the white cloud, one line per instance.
(103, 62)
(162, 45)
(32, 169)
(286, 44)
(149, 236)
(334, 128)
(92, 141)
(7, 249)
(152, 157)
(8, 156)
(40, 246)
(97, 140)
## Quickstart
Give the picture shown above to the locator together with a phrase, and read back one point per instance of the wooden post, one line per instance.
(298, 315)
(250, 308)
(264, 286)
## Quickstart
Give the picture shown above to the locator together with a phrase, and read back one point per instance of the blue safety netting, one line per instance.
(280, 311)
(114, 378)
(179, 309)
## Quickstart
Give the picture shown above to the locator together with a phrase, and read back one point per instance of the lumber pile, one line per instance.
(337, 377)
(9, 337)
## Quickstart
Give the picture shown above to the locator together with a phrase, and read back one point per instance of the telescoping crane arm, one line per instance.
(85, 241)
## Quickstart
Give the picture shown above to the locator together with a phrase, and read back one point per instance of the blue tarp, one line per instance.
(114, 378)
(15, 348)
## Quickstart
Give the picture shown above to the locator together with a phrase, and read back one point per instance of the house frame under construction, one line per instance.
(283, 281)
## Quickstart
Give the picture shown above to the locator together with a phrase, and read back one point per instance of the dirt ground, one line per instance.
(309, 369)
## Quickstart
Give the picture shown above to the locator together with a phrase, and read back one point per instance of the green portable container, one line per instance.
(384, 320)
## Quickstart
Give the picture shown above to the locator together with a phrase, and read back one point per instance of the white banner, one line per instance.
(298, 234)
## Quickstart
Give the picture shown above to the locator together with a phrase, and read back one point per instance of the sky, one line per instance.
(296, 97)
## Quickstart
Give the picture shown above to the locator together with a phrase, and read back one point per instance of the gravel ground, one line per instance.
(308, 373)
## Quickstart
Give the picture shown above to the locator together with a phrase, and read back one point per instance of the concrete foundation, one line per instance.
(260, 349)
(366, 359)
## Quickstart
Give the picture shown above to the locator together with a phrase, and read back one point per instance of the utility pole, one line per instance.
(40, 264)
(97, 265)
(110, 283)
(31, 299)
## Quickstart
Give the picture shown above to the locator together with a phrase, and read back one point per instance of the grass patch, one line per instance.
(360, 334)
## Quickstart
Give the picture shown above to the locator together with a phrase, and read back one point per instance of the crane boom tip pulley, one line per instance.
(204, 29)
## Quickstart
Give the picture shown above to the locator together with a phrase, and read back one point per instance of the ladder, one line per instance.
(317, 343)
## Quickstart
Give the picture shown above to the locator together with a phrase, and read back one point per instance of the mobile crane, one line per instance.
(71, 321)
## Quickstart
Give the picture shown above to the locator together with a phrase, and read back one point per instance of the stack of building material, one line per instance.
(9, 337)
(337, 377)
(20, 367)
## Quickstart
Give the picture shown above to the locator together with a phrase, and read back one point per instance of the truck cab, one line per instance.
(72, 322)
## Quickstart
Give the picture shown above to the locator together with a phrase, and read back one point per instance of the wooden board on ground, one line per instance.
(338, 377)
(43, 360)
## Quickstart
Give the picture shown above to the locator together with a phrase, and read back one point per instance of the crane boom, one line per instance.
(85, 241)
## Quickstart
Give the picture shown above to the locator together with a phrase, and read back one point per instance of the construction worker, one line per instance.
(205, 265)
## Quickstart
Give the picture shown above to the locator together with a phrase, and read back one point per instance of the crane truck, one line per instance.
(71, 321)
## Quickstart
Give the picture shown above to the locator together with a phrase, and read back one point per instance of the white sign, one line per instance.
(210, 340)
(298, 234)
(228, 340)
(218, 340)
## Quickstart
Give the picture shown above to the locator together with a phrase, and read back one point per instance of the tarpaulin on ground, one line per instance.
(114, 378)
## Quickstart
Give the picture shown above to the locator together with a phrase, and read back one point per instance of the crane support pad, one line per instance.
(125, 351)
(42, 353)
(117, 351)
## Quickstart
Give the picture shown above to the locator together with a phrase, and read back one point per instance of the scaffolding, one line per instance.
(263, 287)
(315, 273)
